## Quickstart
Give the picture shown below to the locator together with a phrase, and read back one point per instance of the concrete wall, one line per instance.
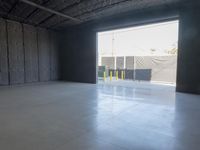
(3, 54)
(54, 55)
(188, 75)
(27, 54)
(16, 52)
(31, 53)
(78, 46)
(44, 54)
(78, 55)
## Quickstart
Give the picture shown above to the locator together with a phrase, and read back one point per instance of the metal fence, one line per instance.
(147, 68)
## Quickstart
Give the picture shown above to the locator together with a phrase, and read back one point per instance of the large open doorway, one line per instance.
(143, 54)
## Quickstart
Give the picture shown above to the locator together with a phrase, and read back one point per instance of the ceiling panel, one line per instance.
(85, 10)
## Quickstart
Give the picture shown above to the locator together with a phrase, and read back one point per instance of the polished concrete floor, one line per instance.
(75, 116)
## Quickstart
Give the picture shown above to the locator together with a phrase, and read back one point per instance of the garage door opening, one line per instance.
(145, 53)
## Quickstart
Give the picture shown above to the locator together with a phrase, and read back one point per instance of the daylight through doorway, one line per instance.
(145, 53)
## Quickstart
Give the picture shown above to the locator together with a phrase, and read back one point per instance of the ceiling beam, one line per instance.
(13, 7)
(35, 10)
(95, 10)
(51, 16)
(50, 10)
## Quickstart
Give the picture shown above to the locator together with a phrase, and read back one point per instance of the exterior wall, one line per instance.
(148, 68)
(129, 62)
(109, 62)
(156, 68)
(25, 54)
(120, 62)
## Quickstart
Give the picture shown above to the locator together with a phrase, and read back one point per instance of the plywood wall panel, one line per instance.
(31, 53)
(44, 54)
(16, 52)
(3, 54)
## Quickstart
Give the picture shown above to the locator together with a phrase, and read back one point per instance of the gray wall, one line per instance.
(31, 53)
(109, 62)
(3, 54)
(78, 55)
(130, 62)
(16, 52)
(120, 62)
(188, 75)
(78, 47)
(156, 68)
(149, 68)
(44, 54)
(27, 54)
(54, 55)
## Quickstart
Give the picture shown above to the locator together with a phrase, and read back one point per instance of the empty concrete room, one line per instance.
(62, 88)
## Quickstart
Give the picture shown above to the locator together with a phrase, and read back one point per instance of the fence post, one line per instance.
(110, 75)
(104, 76)
(116, 75)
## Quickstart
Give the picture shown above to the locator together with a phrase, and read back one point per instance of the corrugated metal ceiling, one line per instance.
(84, 10)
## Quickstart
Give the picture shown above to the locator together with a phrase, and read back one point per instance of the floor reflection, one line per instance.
(105, 116)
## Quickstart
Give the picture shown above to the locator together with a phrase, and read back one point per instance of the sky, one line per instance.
(138, 41)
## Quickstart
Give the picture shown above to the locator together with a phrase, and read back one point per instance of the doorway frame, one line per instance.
(137, 24)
